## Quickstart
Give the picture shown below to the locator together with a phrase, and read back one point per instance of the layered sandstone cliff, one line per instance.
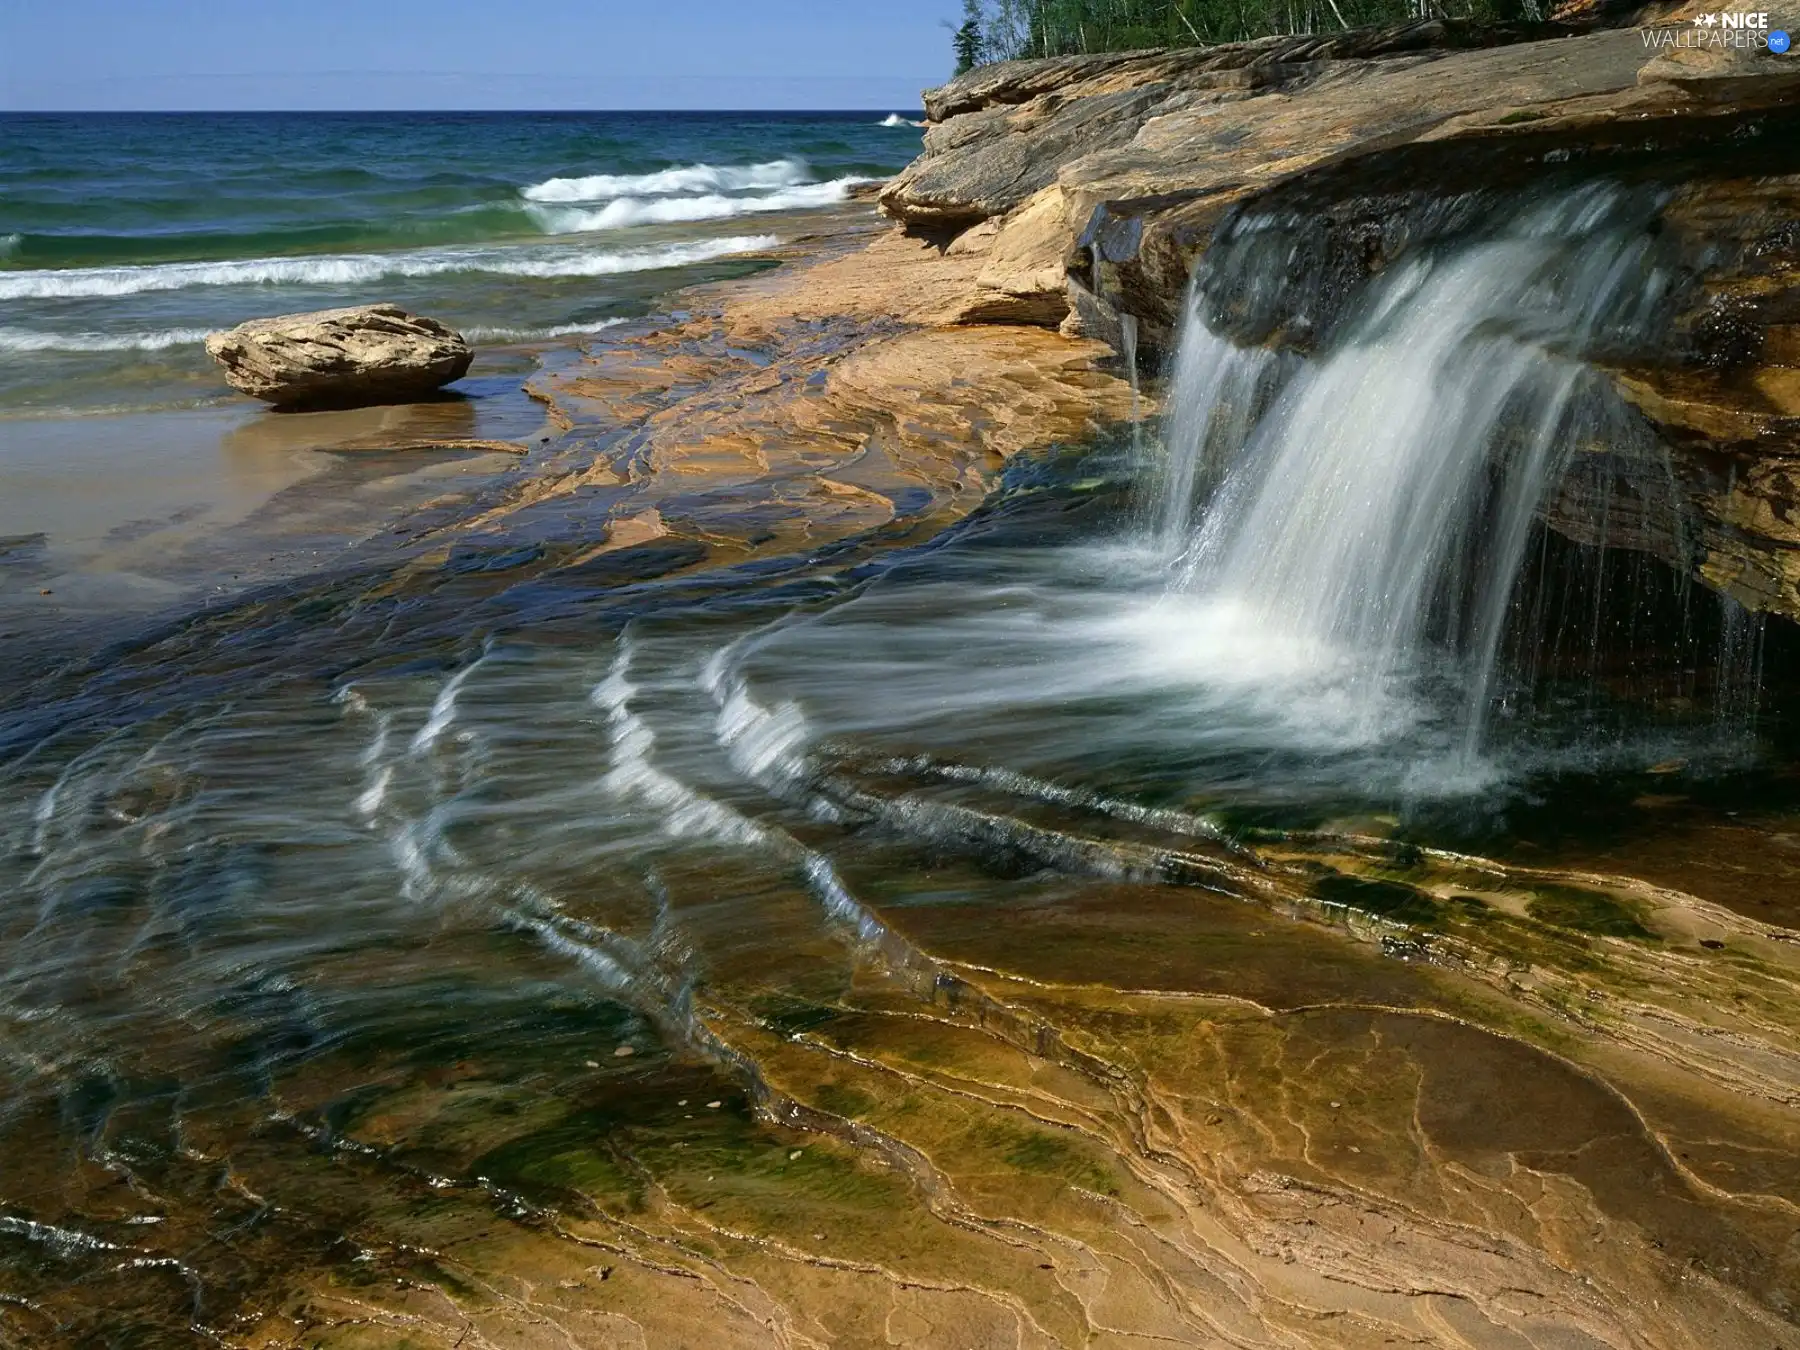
(1090, 188)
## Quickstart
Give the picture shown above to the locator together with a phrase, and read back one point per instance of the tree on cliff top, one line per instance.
(998, 30)
(967, 41)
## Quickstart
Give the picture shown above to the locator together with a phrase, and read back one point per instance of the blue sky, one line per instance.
(215, 54)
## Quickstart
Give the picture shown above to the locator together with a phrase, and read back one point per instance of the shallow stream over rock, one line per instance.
(991, 940)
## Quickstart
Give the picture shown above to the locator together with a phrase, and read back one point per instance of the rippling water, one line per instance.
(124, 239)
(286, 864)
(284, 876)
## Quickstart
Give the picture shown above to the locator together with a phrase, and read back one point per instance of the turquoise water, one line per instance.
(124, 239)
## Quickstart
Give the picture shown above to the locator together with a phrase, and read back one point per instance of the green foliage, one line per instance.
(968, 41)
(997, 30)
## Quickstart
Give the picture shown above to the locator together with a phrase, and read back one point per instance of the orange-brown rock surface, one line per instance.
(839, 394)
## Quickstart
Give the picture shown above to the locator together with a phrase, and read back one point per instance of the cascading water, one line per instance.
(1214, 395)
(1376, 514)
(1315, 611)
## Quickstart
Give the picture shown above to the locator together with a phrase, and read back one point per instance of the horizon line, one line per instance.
(367, 112)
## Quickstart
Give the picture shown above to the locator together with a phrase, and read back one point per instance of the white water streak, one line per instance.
(627, 211)
(1439, 415)
(694, 178)
(355, 269)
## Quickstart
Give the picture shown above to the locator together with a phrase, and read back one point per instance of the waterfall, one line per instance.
(1214, 394)
(1128, 346)
(1374, 516)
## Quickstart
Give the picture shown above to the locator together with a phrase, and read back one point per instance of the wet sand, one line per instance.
(110, 519)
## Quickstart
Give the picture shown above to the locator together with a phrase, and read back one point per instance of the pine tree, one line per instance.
(967, 42)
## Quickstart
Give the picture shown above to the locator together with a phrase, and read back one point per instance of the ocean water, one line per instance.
(126, 238)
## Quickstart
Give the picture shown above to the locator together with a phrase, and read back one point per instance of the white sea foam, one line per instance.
(695, 178)
(896, 120)
(357, 268)
(627, 211)
(590, 264)
(9, 243)
(31, 340)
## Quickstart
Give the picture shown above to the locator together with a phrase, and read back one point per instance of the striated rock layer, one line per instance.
(802, 407)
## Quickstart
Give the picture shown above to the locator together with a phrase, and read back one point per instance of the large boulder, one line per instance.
(341, 358)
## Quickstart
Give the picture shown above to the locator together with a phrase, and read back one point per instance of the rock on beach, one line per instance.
(340, 358)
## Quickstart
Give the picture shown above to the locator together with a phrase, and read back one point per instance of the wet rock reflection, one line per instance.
(519, 950)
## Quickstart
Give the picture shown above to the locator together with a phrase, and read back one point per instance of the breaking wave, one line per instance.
(31, 340)
(627, 211)
(359, 268)
(695, 178)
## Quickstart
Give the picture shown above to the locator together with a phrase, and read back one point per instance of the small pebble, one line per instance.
(1335, 1105)
(593, 1064)
(714, 1106)
(624, 1052)
(794, 1156)
(1355, 1149)
(682, 1102)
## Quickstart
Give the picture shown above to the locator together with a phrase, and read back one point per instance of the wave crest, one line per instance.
(34, 340)
(482, 334)
(628, 211)
(695, 178)
(358, 268)
(31, 340)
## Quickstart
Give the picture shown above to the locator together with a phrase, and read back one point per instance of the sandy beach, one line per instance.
(112, 520)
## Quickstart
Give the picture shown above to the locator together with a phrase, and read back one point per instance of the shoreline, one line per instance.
(110, 522)
(807, 389)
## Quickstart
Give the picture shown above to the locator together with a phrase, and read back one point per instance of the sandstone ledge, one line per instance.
(837, 395)
(1089, 187)
(881, 379)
